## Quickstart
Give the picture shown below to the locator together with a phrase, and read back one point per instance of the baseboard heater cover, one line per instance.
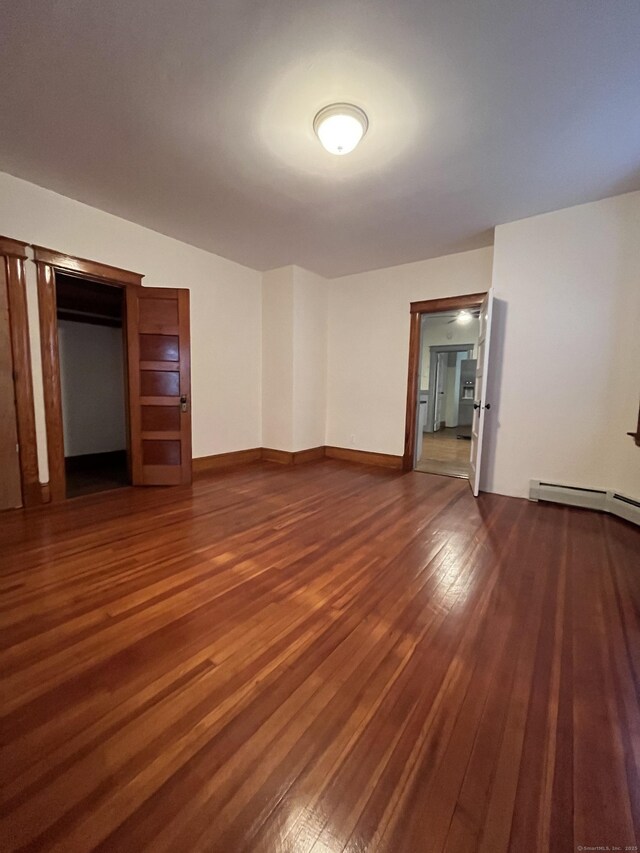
(597, 499)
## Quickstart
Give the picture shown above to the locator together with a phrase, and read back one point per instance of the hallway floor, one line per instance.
(444, 453)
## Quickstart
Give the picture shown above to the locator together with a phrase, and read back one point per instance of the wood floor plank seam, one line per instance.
(459, 837)
(323, 656)
(412, 771)
(378, 701)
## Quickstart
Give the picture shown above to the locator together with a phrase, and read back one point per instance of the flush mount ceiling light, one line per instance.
(464, 318)
(340, 127)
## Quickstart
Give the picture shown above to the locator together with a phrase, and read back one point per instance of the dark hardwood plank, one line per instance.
(318, 657)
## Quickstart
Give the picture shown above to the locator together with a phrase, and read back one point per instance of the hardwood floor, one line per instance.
(325, 657)
(444, 453)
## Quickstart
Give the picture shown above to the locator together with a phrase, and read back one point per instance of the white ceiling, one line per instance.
(193, 117)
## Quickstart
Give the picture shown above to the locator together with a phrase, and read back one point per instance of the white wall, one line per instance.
(566, 364)
(92, 379)
(565, 371)
(225, 306)
(294, 357)
(310, 359)
(277, 359)
(368, 344)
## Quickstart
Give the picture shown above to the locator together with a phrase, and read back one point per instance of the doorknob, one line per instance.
(488, 406)
(476, 405)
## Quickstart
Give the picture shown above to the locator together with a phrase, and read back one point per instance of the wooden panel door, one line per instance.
(10, 486)
(159, 385)
(480, 405)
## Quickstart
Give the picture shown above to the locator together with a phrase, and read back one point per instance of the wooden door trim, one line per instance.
(448, 303)
(133, 383)
(416, 310)
(88, 269)
(14, 255)
(636, 435)
(51, 379)
(47, 263)
(184, 322)
(13, 248)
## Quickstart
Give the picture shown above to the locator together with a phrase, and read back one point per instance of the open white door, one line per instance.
(480, 405)
(441, 378)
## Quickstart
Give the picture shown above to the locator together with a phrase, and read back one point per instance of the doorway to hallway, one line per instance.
(446, 410)
(446, 393)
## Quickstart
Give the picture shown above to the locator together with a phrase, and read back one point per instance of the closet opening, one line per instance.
(146, 350)
(93, 384)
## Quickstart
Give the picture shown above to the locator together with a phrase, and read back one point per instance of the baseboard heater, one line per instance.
(612, 502)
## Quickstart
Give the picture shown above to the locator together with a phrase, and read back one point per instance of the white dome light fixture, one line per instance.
(340, 127)
(464, 317)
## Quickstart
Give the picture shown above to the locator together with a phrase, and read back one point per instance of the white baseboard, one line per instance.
(597, 499)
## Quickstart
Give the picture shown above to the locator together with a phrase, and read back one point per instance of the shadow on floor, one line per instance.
(96, 472)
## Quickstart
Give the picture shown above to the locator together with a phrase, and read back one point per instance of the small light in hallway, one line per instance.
(464, 318)
(340, 127)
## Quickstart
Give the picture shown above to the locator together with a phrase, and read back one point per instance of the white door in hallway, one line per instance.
(480, 405)
(441, 378)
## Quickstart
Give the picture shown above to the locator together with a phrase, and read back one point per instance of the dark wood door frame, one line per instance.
(12, 275)
(47, 262)
(417, 309)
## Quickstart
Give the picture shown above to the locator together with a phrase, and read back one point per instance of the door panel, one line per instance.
(441, 375)
(161, 452)
(160, 418)
(10, 487)
(159, 385)
(160, 348)
(480, 405)
(159, 314)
